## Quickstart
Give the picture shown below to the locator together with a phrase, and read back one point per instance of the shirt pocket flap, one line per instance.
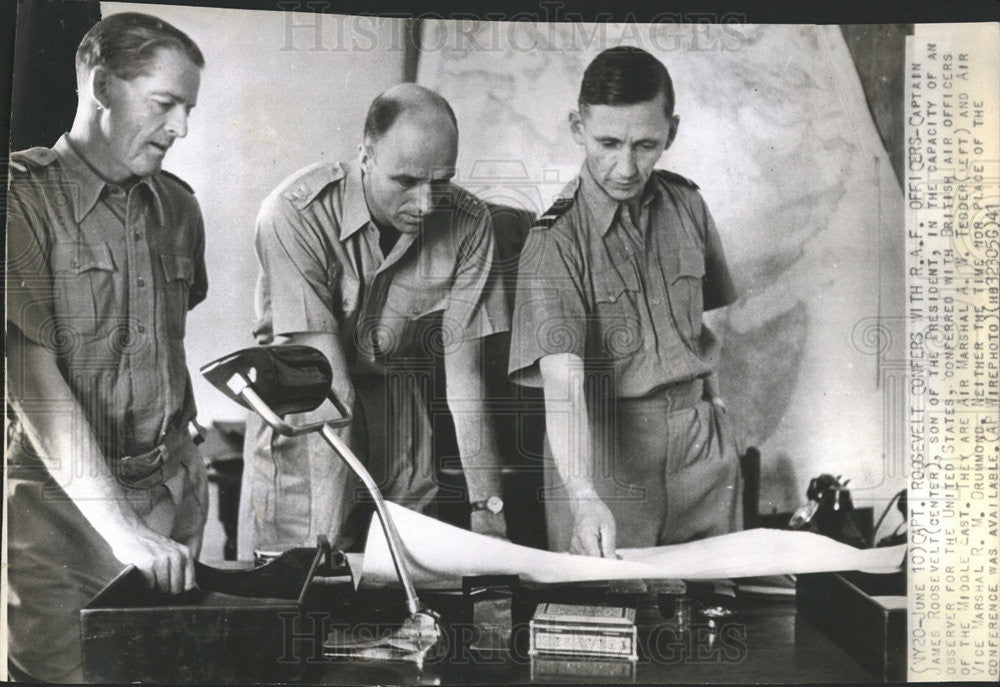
(609, 286)
(177, 267)
(690, 263)
(413, 301)
(429, 301)
(81, 257)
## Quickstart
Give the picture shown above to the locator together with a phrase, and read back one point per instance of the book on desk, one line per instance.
(574, 630)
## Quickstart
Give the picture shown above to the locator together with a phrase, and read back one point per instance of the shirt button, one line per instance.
(141, 329)
(613, 298)
(76, 262)
(137, 235)
(141, 281)
(656, 301)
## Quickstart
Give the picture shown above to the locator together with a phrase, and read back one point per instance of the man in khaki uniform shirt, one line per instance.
(105, 258)
(379, 263)
(612, 283)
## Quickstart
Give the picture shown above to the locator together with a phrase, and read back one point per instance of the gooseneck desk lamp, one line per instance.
(274, 381)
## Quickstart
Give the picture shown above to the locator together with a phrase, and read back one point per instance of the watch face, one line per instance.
(494, 504)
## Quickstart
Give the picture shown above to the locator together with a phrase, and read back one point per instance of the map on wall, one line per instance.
(775, 129)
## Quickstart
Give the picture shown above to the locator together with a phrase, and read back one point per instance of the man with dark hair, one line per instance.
(105, 258)
(127, 43)
(612, 283)
(381, 264)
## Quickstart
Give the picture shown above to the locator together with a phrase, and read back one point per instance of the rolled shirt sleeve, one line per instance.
(718, 288)
(550, 311)
(476, 305)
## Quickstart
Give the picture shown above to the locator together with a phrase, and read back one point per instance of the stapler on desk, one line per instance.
(276, 380)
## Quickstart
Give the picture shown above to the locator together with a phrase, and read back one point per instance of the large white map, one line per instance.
(438, 555)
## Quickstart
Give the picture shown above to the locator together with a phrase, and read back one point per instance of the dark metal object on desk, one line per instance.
(829, 511)
(277, 577)
(899, 535)
(276, 380)
(490, 605)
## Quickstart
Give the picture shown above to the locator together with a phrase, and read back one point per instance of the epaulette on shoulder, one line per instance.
(463, 200)
(306, 184)
(174, 177)
(676, 178)
(550, 216)
(32, 157)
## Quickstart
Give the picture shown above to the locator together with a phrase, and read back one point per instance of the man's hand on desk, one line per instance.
(593, 528)
(166, 564)
(490, 524)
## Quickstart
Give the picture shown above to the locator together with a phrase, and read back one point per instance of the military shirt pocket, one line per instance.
(407, 313)
(616, 300)
(686, 292)
(84, 287)
(178, 271)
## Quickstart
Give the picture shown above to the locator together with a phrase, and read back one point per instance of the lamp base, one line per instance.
(410, 642)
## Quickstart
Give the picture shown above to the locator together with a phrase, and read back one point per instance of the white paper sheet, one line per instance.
(439, 555)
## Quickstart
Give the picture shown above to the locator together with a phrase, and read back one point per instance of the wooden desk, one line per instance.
(766, 641)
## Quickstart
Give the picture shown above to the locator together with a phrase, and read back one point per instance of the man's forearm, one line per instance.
(567, 425)
(474, 431)
(69, 450)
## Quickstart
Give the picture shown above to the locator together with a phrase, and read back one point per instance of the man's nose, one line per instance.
(177, 122)
(425, 198)
(625, 163)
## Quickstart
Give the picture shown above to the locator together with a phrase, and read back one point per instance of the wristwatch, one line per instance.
(493, 504)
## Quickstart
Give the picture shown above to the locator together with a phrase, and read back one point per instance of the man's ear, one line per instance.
(365, 156)
(675, 122)
(576, 126)
(100, 85)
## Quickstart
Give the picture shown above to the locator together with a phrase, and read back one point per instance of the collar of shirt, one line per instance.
(603, 207)
(89, 184)
(357, 215)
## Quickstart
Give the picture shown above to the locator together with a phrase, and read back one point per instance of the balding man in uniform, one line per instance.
(105, 258)
(380, 263)
(612, 283)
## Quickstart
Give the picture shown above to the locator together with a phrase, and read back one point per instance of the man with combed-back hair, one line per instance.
(105, 258)
(382, 264)
(612, 283)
